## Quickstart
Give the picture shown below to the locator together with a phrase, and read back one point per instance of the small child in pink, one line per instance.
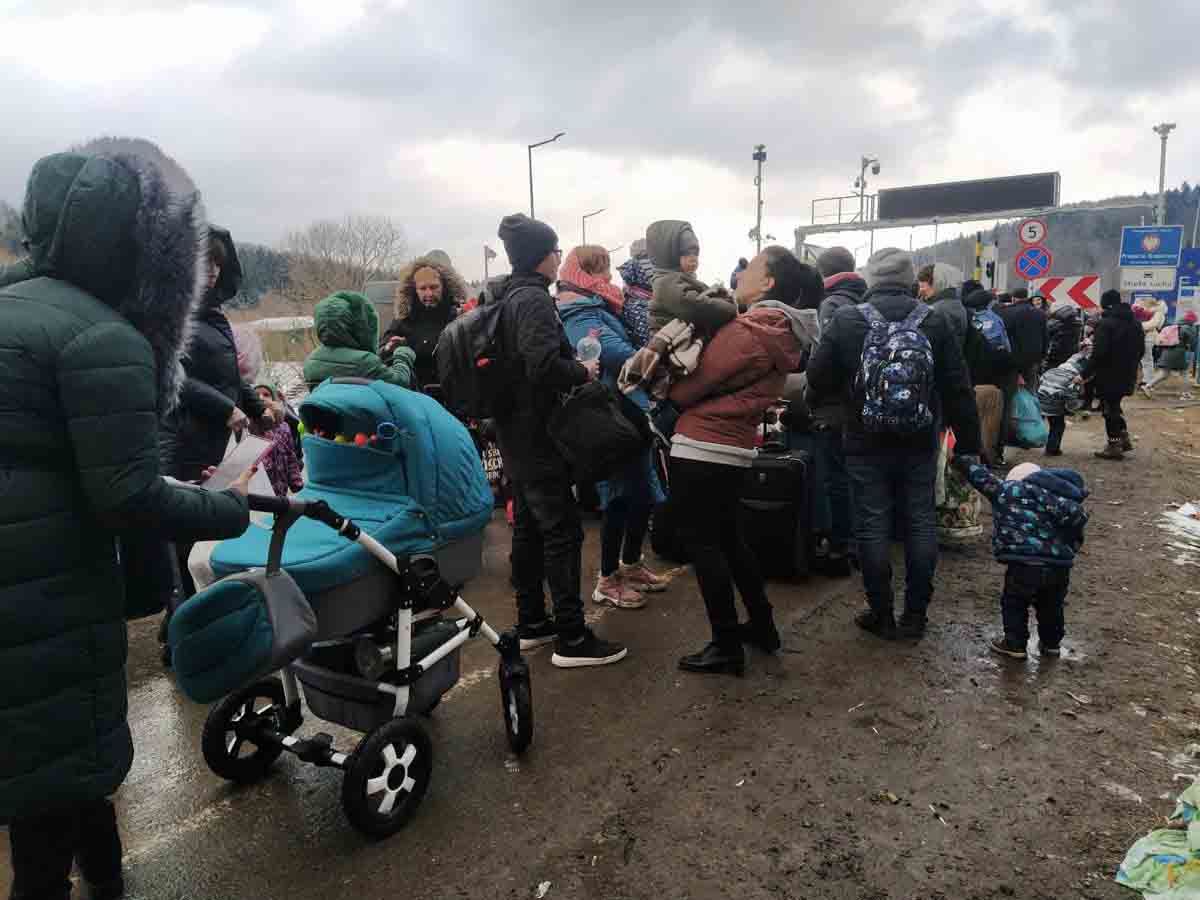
(280, 462)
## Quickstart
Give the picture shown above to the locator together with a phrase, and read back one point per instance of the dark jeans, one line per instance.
(621, 536)
(1058, 427)
(705, 497)
(1045, 589)
(1114, 417)
(833, 509)
(43, 848)
(883, 484)
(547, 545)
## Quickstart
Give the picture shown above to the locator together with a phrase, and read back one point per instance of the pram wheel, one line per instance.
(386, 777)
(226, 739)
(516, 700)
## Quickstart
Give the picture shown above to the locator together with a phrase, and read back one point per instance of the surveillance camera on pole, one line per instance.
(760, 157)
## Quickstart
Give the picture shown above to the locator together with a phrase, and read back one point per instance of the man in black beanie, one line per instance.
(547, 542)
(1117, 348)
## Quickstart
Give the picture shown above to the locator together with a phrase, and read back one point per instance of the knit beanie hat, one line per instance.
(978, 299)
(638, 248)
(891, 265)
(835, 261)
(1109, 299)
(526, 241)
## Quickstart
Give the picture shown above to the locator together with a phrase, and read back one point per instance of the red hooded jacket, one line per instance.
(741, 374)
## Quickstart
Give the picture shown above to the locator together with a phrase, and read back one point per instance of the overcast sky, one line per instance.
(287, 112)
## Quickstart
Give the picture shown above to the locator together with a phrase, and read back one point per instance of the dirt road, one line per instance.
(843, 768)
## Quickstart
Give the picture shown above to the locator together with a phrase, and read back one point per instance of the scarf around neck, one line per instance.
(571, 275)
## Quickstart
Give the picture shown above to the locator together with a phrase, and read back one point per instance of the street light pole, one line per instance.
(868, 162)
(584, 221)
(760, 157)
(1163, 131)
(533, 147)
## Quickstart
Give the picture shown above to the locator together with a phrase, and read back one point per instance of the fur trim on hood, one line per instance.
(454, 288)
(120, 219)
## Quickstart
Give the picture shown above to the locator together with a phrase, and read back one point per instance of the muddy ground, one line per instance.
(644, 783)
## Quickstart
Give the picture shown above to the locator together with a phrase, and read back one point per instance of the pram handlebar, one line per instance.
(288, 509)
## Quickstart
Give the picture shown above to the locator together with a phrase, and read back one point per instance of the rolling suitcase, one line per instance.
(776, 510)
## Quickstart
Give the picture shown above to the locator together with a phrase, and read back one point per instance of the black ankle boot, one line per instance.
(881, 625)
(761, 634)
(715, 660)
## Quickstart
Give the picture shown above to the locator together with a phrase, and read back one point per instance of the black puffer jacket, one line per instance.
(544, 368)
(845, 289)
(1026, 327)
(837, 360)
(1117, 348)
(196, 434)
(1065, 329)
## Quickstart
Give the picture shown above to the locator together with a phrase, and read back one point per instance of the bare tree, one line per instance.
(330, 256)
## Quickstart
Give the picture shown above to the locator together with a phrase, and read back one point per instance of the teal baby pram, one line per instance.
(379, 543)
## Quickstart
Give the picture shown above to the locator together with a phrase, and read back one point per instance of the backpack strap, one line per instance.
(871, 314)
(914, 319)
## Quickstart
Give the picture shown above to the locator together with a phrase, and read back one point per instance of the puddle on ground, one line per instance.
(1183, 534)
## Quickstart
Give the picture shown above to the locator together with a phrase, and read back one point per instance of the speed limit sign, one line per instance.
(1032, 231)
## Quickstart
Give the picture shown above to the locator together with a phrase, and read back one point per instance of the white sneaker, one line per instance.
(613, 591)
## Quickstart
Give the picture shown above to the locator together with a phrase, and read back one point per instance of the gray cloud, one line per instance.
(296, 127)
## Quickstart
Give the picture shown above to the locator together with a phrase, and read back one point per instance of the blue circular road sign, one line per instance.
(1033, 261)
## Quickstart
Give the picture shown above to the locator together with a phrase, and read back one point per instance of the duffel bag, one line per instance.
(594, 434)
(237, 630)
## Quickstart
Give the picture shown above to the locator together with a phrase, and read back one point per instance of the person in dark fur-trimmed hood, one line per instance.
(427, 300)
(91, 336)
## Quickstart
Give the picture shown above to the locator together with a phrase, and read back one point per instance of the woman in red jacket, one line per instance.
(741, 374)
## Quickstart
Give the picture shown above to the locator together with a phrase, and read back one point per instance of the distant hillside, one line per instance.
(1083, 241)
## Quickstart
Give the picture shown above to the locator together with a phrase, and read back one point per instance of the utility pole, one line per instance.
(1163, 131)
(760, 157)
(533, 147)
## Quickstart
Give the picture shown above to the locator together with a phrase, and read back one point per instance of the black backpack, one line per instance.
(472, 370)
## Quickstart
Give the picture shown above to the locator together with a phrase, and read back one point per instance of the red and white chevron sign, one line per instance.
(1082, 290)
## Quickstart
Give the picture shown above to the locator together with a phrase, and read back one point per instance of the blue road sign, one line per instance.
(1033, 262)
(1148, 246)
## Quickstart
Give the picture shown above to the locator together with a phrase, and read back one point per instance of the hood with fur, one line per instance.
(454, 289)
(121, 220)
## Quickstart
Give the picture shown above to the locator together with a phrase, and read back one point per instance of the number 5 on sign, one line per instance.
(1032, 231)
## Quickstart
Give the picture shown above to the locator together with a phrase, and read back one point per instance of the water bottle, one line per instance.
(588, 348)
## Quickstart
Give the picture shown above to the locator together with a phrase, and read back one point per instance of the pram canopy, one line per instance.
(418, 488)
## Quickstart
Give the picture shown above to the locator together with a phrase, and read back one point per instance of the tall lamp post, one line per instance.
(1163, 131)
(584, 219)
(760, 157)
(533, 147)
(868, 162)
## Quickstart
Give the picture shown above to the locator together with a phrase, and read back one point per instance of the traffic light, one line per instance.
(991, 271)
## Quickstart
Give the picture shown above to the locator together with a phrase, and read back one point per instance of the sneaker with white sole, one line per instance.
(615, 591)
(537, 635)
(586, 650)
(639, 576)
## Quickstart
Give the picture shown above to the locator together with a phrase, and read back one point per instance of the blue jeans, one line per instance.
(884, 483)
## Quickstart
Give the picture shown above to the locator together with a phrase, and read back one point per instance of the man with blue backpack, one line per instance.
(906, 377)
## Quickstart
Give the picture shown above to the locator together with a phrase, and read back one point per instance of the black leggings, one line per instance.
(622, 534)
(706, 500)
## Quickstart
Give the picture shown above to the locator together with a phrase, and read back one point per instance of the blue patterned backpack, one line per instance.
(896, 375)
